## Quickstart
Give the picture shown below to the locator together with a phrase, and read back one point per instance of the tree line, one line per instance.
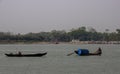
(80, 33)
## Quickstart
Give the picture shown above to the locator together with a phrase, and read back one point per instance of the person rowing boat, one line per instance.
(85, 52)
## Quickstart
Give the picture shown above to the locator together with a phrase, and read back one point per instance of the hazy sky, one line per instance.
(23, 16)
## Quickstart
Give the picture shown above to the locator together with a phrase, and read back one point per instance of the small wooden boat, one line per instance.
(85, 52)
(26, 55)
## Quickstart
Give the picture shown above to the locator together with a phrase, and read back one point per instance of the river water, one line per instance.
(56, 61)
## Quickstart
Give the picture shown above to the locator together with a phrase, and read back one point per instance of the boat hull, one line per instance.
(26, 55)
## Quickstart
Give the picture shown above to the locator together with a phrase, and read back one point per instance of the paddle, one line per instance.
(70, 54)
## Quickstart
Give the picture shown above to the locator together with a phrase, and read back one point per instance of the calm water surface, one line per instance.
(56, 61)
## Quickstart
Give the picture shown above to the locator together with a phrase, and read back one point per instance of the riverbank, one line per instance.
(23, 42)
(94, 42)
(72, 42)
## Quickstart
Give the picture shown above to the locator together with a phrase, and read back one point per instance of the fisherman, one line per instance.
(19, 53)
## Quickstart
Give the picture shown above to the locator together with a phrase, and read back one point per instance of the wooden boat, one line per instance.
(85, 52)
(26, 55)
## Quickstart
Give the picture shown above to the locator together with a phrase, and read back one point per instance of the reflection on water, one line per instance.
(56, 61)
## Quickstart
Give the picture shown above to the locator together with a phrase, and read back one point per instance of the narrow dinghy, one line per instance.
(26, 55)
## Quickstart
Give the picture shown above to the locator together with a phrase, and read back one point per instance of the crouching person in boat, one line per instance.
(19, 53)
(85, 52)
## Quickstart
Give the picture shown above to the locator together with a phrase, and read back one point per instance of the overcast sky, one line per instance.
(24, 16)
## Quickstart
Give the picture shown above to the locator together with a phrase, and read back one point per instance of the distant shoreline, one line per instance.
(72, 42)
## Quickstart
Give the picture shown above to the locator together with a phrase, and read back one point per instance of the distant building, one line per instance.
(75, 41)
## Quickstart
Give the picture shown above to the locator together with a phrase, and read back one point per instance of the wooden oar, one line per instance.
(70, 54)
